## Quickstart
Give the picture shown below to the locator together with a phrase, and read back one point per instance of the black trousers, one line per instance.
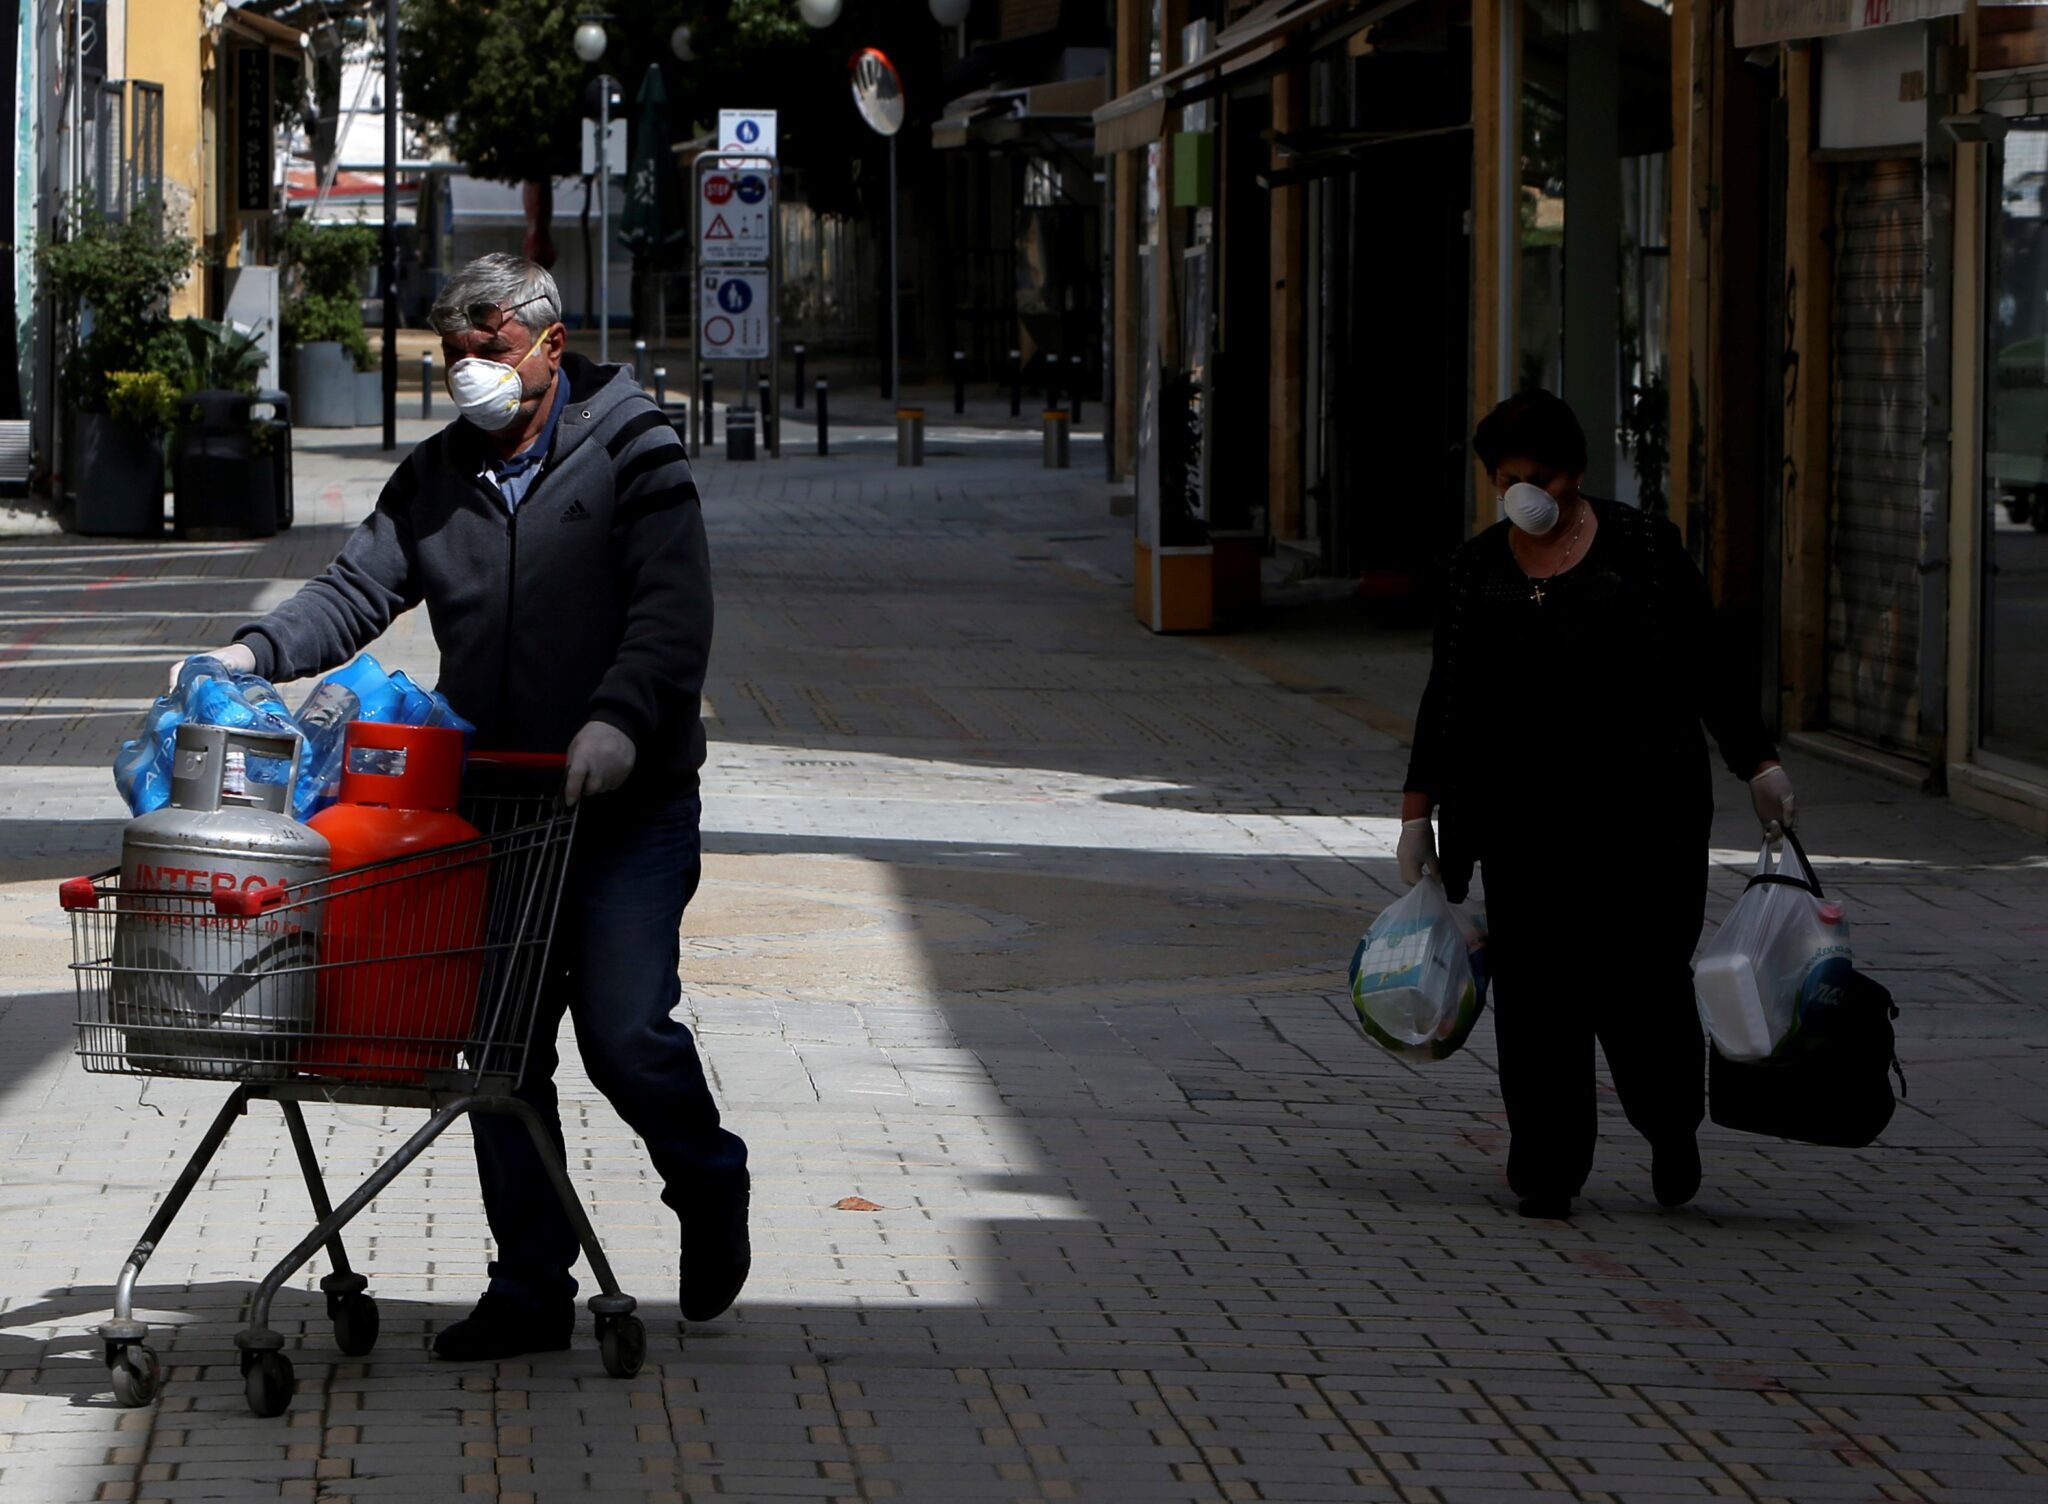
(1594, 955)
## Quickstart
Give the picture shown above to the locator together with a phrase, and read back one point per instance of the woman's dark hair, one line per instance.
(1536, 425)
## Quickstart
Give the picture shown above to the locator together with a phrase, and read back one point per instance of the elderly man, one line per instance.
(555, 535)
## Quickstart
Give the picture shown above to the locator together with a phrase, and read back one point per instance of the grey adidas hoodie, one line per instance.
(591, 602)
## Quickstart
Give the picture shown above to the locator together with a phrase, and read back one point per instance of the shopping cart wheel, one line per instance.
(137, 1375)
(268, 1383)
(622, 1342)
(355, 1324)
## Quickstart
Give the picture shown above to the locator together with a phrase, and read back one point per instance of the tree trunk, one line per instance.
(538, 199)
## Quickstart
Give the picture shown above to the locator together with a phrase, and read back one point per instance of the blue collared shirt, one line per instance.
(515, 477)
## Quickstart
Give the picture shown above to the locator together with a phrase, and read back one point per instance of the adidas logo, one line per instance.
(576, 511)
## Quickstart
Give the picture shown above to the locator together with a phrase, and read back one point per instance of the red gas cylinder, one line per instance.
(402, 941)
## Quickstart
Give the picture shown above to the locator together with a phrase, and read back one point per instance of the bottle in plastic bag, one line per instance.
(1781, 954)
(414, 703)
(378, 698)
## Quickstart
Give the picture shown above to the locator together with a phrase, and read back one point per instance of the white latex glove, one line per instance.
(238, 656)
(1417, 851)
(1770, 792)
(601, 758)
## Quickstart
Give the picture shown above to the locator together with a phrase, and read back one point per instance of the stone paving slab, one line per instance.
(1027, 928)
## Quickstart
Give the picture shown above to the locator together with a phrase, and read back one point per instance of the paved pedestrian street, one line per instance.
(1019, 962)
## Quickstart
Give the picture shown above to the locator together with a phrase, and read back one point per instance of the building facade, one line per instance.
(1784, 257)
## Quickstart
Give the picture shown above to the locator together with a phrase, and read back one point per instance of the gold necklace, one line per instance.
(1535, 584)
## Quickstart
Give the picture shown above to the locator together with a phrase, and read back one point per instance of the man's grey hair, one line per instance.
(504, 281)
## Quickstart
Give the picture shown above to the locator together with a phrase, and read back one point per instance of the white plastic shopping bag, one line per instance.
(1414, 977)
(1780, 955)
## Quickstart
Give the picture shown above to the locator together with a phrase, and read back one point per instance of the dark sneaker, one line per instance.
(1675, 1171)
(716, 1258)
(1549, 1208)
(504, 1326)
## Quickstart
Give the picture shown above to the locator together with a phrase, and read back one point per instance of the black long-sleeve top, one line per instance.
(1596, 692)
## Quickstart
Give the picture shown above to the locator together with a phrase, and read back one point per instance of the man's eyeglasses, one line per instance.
(479, 314)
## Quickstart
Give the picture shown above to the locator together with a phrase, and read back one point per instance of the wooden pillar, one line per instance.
(1803, 471)
(1285, 416)
(1496, 220)
(1127, 196)
(1692, 250)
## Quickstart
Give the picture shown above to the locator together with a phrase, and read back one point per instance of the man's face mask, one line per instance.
(488, 392)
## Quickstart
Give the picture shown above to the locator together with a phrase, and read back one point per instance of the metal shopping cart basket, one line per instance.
(412, 982)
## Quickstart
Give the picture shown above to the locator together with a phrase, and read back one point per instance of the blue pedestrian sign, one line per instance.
(735, 296)
(748, 131)
(733, 322)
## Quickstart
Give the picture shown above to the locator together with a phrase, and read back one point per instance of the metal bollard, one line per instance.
(705, 400)
(959, 381)
(910, 436)
(640, 359)
(661, 387)
(798, 352)
(766, 407)
(1056, 434)
(824, 422)
(1080, 365)
(1016, 383)
(426, 383)
(1052, 381)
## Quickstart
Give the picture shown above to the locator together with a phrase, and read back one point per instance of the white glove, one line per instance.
(238, 656)
(1417, 851)
(1770, 792)
(601, 758)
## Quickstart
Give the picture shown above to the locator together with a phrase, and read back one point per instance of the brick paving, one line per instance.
(1028, 928)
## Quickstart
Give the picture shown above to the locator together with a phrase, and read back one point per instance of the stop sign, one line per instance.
(717, 189)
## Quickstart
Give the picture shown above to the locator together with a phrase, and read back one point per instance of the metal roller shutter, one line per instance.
(1875, 412)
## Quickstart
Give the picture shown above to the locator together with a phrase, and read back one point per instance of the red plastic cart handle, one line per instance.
(78, 893)
(247, 903)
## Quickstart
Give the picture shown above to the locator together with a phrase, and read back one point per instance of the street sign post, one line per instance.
(736, 215)
(735, 319)
(739, 262)
(751, 132)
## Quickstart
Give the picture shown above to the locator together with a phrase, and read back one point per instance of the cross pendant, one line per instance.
(1536, 591)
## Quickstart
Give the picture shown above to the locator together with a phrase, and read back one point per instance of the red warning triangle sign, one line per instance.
(719, 230)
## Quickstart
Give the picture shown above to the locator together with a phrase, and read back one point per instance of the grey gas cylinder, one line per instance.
(198, 992)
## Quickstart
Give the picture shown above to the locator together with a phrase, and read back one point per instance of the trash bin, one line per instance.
(739, 433)
(223, 485)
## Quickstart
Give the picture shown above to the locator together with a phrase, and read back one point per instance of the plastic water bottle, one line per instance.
(445, 715)
(323, 720)
(414, 703)
(365, 678)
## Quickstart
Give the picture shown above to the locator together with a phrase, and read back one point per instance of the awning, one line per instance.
(997, 115)
(1758, 23)
(1139, 117)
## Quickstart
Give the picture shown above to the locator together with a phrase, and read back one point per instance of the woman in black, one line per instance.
(1559, 746)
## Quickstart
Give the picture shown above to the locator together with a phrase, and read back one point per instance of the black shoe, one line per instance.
(1549, 1208)
(504, 1326)
(1675, 1171)
(716, 1258)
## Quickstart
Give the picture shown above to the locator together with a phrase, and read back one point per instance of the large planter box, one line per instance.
(323, 386)
(369, 399)
(115, 475)
(225, 487)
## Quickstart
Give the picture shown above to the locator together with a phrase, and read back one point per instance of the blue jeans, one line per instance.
(632, 872)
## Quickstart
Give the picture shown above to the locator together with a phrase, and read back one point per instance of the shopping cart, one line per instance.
(412, 982)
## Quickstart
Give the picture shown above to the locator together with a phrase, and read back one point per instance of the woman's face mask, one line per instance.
(1530, 508)
(488, 392)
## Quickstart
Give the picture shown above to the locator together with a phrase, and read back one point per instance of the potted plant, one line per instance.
(229, 476)
(120, 362)
(323, 319)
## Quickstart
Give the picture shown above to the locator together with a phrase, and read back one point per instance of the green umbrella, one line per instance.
(654, 215)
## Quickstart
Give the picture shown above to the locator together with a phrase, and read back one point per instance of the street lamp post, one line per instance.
(590, 44)
(388, 280)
